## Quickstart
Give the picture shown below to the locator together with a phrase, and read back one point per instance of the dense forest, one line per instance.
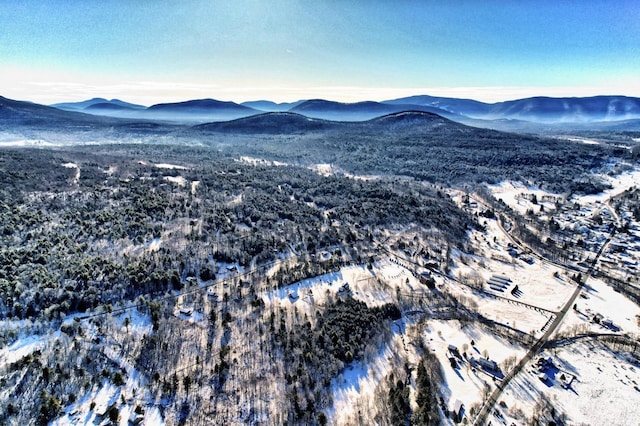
(77, 237)
(428, 148)
(127, 230)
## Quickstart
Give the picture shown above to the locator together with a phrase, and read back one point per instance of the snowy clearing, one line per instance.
(600, 299)
(601, 380)
(179, 180)
(463, 383)
(168, 166)
(23, 347)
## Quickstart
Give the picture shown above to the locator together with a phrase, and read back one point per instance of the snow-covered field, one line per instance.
(11, 142)
(363, 284)
(597, 298)
(463, 383)
(515, 194)
(604, 389)
(169, 166)
(178, 180)
(619, 183)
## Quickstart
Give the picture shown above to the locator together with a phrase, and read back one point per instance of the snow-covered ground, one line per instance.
(585, 141)
(178, 180)
(168, 166)
(92, 407)
(539, 284)
(463, 383)
(323, 169)
(516, 195)
(603, 379)
(511, 192)
(374, 287)
(619, 183)
(194, 186)
(597, 298)
(23, 347)
(260, 161)
(605, 390)
(359, 381)
(76, 177)
(11, 142)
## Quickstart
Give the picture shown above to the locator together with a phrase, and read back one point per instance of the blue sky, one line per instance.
(150, 51)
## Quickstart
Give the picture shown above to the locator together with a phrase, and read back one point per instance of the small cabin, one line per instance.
(186, 311)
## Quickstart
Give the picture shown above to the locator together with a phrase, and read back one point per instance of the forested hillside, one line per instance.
(80, 229)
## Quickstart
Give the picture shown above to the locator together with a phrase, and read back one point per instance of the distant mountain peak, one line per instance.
(199, 104)
(89, 104)
(270, 123)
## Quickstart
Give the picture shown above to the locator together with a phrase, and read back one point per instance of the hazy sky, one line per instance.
(149, 51)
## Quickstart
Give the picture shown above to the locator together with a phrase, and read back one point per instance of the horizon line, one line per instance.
(171, 100)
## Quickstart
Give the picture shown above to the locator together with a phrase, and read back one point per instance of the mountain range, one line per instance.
(536, 115)
(537, 109)
(528, 114)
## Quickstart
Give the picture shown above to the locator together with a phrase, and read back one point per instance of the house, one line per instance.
(453, 349)
(566, 381)
(488, 364)
(186, 311)
(607, 323)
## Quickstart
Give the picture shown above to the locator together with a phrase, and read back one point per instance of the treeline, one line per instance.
(443, 154)
(428, 376)
(305, 270)
(315, 355)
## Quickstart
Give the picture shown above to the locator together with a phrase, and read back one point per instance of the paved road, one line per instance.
(533, 351)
